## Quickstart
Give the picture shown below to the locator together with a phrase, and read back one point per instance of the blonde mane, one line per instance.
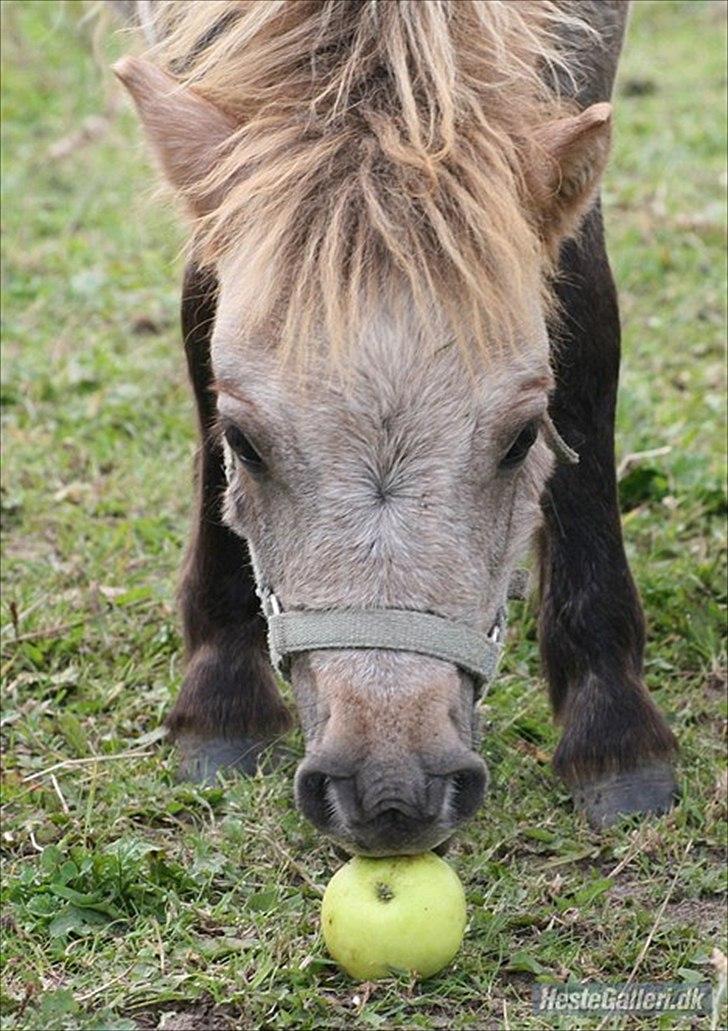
(385, 148)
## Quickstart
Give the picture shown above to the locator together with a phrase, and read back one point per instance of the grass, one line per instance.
(131, 901)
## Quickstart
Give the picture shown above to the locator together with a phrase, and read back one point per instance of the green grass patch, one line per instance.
(131, 901)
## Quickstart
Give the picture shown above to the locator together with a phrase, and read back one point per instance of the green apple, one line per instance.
(400, 913)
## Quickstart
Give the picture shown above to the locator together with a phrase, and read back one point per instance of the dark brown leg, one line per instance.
(229, 706)
(616, 750)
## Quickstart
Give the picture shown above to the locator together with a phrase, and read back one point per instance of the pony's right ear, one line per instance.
(185, 130)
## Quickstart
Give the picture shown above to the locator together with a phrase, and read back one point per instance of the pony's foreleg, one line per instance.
(616, 750)
(229, 707)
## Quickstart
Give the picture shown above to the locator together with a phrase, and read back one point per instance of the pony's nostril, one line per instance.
(467, 790)
(313, 798)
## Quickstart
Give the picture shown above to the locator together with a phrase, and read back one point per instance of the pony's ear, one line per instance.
(185, 130)
(577, 149)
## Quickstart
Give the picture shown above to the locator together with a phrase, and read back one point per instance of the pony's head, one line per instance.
(381, 190)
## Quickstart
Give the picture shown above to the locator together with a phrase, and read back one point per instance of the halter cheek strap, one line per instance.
(563, 454)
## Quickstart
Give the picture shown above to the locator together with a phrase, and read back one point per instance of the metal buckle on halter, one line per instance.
(268, 602)
(496, 631)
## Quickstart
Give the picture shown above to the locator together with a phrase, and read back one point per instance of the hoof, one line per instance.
(650, 789)
(201, 759)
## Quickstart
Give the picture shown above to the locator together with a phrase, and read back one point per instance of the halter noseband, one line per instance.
(402, 630)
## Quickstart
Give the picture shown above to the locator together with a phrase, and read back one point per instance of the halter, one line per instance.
(403, 630)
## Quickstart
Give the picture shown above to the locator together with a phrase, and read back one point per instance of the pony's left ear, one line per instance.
(577, 150)
(185, 130)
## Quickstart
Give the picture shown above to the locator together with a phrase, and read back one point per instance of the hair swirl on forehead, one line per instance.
(385, 153)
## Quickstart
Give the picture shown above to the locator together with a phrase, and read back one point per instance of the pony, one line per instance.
(401, 328)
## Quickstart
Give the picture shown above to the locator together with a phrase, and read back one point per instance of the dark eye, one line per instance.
(520, 446)
(242, 447)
